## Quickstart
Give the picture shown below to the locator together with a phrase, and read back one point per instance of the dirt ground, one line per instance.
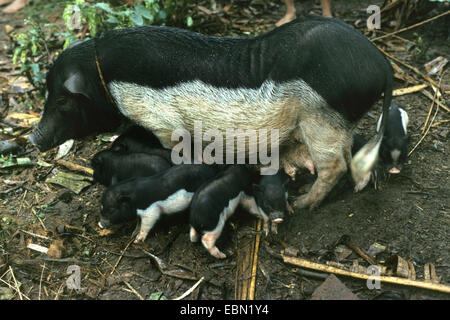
(409, 213)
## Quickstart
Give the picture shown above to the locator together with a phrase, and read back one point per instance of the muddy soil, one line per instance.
(409, 213)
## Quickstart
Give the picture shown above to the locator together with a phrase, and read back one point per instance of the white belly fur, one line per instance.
(272, 106)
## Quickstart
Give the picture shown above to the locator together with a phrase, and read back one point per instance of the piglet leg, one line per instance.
(148, 220)
(209, 242)
(249, 203)
(193, 235)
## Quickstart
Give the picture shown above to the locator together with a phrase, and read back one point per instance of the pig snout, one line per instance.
(276, 217)
(104, 223)
(394, 170)
(44, 141)
(36, 138)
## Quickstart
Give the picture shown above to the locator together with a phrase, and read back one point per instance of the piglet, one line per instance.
(393, 150)
(138, 140)
(151, 197)
(271, 197)
(215, 201)
(112, 167)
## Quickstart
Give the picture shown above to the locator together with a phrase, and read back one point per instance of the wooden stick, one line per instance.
(35, 235)
(429, 113)
(75, 167)
(133, 290)
(37, 248)
(15, 283)
(40, 281)
(434, 83)
(411, 27)
(299, 262)
(402, 91)
(426, 132)
(121, 255)
(431, 123)
(251, 294)
(11, 287)
(188, 292)
(430, 96)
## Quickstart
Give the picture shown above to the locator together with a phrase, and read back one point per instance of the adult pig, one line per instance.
(314, 78)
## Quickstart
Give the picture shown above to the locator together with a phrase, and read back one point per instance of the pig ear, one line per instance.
(75, 84)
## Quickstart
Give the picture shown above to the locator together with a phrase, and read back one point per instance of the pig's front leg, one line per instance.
(249, 203)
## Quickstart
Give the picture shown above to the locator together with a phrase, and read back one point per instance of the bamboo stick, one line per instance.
(299, 262)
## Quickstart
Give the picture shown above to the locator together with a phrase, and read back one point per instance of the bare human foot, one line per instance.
(15, 6)
(326, 8)
(3, 2)
(290, 13)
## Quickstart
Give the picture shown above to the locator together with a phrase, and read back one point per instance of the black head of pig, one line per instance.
(271, 199)
(76, 104)
(393, 150)
(98, 165)
(136, 139)
(117, 207)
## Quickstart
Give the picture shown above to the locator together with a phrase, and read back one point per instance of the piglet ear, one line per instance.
(75, 84)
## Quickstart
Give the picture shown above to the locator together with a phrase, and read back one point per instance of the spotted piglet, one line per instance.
(271, 197)
(165, 193)
(214, 203)
(393, 150)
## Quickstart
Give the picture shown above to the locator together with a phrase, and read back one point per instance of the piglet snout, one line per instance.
(104, 224)
(277, 220)
(394, 170)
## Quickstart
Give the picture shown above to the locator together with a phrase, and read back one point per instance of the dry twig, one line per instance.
(411, 27)
(133, 290)
(299, 262)
(189, 291)
(121, 255)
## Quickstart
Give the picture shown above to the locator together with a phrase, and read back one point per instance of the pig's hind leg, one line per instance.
(329, 147)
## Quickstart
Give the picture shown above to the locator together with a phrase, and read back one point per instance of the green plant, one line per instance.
(98, 17)
(38, 43)
(34, 46)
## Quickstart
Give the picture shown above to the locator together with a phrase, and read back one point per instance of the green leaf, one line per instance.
(104, 6)
(189, 21)
(144, 12)
(112, 20)
(16, 54)
(137, 19)
(158, 295)
(162, 15)
(35, 68)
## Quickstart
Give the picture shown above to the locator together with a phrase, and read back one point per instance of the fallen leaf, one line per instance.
(56, 249)
(64, 149)
(105, 232)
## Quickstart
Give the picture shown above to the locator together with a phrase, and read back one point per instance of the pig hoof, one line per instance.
(274, 228)
(216, 253)
(289, 209)
(140, 238)
(266, 228)
(193, 235)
